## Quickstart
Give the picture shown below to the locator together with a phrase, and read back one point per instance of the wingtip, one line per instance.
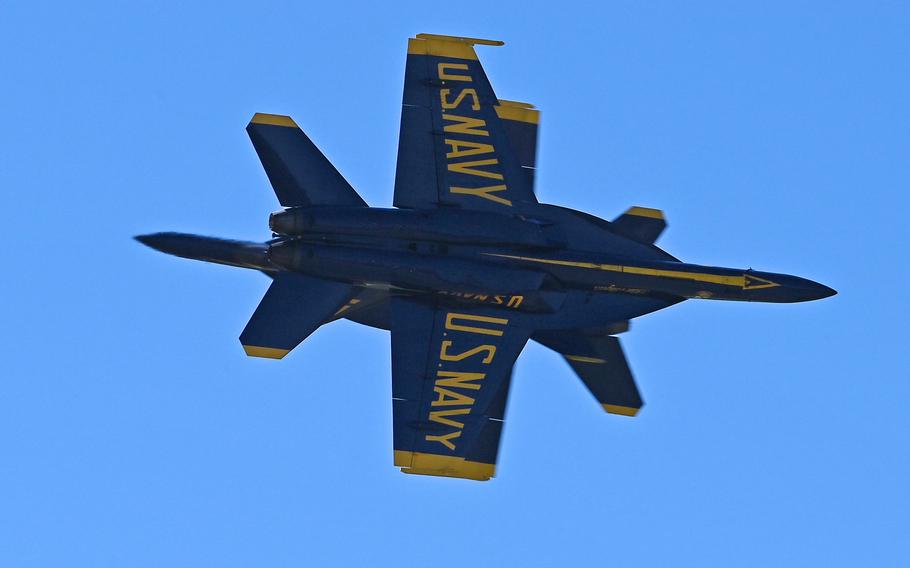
(265, 352)
(273, 120)
(461, 39)
(646, 212)
(621, 410)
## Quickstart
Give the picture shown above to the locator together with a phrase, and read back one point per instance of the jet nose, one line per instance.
(164, 242)
(808, 290)
(824, 291)
(768, 287)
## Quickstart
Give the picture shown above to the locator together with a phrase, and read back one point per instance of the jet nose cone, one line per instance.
(809, 290)
(824, 291)
(153, 240)
(178, 244)
(170, 243)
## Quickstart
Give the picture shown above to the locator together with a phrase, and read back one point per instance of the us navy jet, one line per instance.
(467, 266)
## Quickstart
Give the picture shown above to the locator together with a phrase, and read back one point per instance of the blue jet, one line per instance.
(467, 266)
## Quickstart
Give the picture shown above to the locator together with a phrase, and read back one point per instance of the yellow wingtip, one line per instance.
(469, 40)
(273, 119)
(645, 212)
(517, 113)
(419, 463)
(516, 104)
(621, 410)
(265, 352)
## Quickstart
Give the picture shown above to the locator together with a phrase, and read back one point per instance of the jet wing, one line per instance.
(459, 145)
(451, 369)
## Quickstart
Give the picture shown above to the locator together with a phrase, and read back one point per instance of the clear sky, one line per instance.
(134, 431)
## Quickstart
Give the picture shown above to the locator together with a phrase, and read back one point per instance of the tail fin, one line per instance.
(640, 224)
(299, 173)
(293, 307)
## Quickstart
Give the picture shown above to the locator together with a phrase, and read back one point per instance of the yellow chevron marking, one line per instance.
(755, 283)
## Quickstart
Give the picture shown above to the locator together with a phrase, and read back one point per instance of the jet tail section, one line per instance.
(640, 224)
(293, 307)
(601, 365)
(299, 173)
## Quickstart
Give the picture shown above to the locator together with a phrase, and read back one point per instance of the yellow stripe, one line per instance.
(417, 47)
(347, 306)
(453, 49)
(623, 410)
(582, 359)
(446, 466)
(645, 212)
(738, 281)
(273, 119)
(266, 352)
(470, 40)
(518, 114)
(516, 104)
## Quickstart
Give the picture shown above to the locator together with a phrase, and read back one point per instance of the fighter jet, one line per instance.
(467, 266)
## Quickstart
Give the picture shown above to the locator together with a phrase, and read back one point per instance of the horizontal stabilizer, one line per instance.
(640, 224)
(293, 307)
(602, 367)
(299, 173)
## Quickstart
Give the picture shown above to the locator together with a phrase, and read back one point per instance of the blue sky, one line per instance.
(134, 431)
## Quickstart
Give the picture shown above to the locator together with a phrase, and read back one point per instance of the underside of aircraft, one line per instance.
(465, 269)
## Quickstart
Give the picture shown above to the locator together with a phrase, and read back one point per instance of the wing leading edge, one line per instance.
(451, 369)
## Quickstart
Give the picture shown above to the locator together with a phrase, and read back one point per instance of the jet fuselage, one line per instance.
(522, 260)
